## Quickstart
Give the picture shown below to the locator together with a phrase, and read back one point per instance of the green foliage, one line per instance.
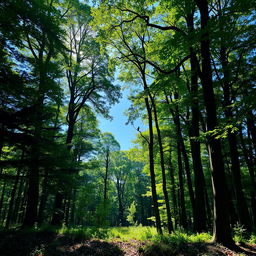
(181, 238)
(84, 233)
(131, 214)
(109, 233)
(101, 214)
(252, 239)
(239, 233)
(136, 232)
(175, 244)
(127, 233)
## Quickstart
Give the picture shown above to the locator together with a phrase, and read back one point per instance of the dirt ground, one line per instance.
(49, 244)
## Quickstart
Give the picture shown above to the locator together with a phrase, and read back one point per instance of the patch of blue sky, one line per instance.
(124, 133)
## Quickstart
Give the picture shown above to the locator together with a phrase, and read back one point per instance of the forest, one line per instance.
(187, 186)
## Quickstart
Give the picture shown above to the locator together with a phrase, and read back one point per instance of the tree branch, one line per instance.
(167, 72)
(146, 19)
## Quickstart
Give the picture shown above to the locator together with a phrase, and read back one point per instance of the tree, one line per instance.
(108, 145)
(88, 78)
(121, 170)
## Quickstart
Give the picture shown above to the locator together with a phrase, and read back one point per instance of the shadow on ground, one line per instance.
(27, 243)
(88, 248)
(184, 249)
(49, 244)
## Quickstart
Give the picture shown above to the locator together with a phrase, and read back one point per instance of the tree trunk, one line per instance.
(2, 197)
(151, 167)
(13, 194)
(183, 215)
(17, 203)
(252, 127)
(200, 207)
(43, 200)
(67, 210)
(242, 207)
(70, 132)
(23, 204)
(120, 205)
(221, 230)
(58, 213)
(176, 119)
(106, 177)
(173, 190)
(33, 173)
(33, 192)
(72, 213)
(208, 209)
(161, 151)
(250, 166)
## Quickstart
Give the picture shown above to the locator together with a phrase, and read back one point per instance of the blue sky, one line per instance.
(124, 134)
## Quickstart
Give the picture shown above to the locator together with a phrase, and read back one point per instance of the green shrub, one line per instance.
(200, 237)
(175, 243)
(252, 239)
(131, 214)
(239, 233)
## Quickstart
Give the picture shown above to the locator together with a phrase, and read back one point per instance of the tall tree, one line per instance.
(221, 229)
(108, 144)
(88, 77)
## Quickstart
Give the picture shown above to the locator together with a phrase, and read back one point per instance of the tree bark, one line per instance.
(106, 177)
(22, 208)
(252, 127)
(173, 190)
(183, 215)
(43, 200)
(33, 174)
(151, 166)
(161, 151)
(251, 167)
(13, 194)
(2, 197)
(120, 203)
(58, 213)
(72, 213)
(242, 207)
(199, 181)
(68, 209)
(221, 229)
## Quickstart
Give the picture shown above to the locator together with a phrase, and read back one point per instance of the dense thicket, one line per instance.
(190, 67)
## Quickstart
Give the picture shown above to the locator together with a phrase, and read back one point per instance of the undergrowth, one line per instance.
(152, 244)
(178, 242)
(122, 233)
(141, 233)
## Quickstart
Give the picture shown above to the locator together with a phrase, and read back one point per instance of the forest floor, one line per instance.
(45, 243)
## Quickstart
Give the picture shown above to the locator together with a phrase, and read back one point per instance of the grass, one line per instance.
(122, 233)
(151, 243)
(126, 233)
(140, 233)
(175, 243)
